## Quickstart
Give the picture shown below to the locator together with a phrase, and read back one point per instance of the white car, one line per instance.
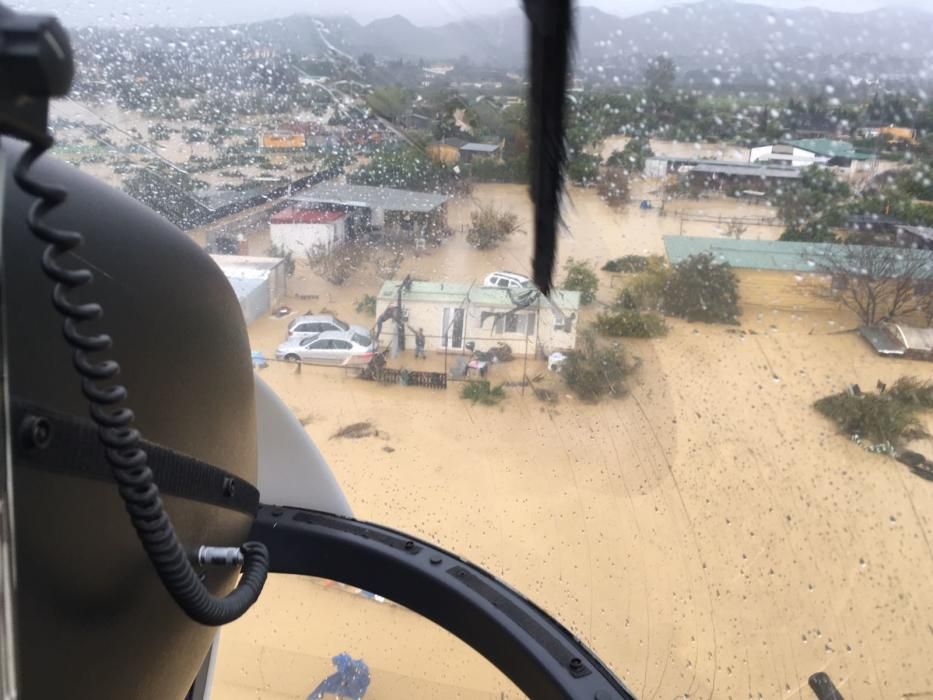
(507, 280)
(308, 326)
(328, 348)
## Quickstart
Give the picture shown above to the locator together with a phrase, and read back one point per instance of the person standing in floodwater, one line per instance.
(419, 342)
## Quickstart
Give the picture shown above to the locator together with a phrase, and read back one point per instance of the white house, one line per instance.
(299, 230)
(804, 152)
(453, 314)
(786, 154)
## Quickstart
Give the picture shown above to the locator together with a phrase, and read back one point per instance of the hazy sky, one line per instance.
(423, 12)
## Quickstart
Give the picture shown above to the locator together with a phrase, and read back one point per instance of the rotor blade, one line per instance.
(551, 35)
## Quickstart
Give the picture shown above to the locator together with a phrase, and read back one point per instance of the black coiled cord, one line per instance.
(115, 426)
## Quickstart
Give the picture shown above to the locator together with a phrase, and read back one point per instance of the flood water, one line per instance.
(709, 535)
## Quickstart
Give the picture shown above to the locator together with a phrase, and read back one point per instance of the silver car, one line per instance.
(308, 326)
(329, 348)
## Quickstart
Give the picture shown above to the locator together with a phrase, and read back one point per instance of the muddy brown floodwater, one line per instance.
(709, 534)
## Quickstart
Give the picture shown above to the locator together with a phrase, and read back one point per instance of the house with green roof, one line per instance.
(819, 151)
(455, 314)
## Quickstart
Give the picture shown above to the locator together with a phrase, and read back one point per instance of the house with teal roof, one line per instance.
(455, 316)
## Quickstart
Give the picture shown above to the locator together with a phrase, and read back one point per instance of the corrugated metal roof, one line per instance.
(246, 266)
(765, 255)
(457, 293)
(371, 197)
(924, 232)
(454, 292)
(831, 148)
(244, 286)
(480, 147)
(493, 296)
(747, 169)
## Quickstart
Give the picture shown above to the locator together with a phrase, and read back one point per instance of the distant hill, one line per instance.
(709, 36)
(718, 27)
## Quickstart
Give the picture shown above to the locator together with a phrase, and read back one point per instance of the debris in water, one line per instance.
(354, 431)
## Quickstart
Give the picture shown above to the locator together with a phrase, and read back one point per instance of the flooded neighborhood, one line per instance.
(706, 451)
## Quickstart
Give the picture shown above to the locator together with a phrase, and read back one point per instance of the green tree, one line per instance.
(700, 289)
(581, 277)
(389, 101)
(583, 169)
(632, 157)
(614, 187)
(813, 206)
(660, 74)
(404, 168)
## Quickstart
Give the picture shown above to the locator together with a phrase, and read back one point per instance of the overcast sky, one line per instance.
(423, 12)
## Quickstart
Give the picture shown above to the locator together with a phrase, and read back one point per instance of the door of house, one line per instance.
(452, 328)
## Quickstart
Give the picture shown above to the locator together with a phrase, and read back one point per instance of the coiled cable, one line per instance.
(128, 462)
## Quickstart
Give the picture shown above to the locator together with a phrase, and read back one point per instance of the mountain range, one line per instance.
(709, 28)
(712, 40)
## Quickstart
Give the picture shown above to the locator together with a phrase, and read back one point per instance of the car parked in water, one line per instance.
(329, 348)
(308, 326)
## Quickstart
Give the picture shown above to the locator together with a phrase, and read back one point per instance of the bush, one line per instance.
(700, 289)
(489, 227)
(614, 187)
(366, 305)
(627, 263)
(627, 323)
(338, 264)
(888, 417)
(581, 278)
(482, 392)
(490, 170)
(646, 289)
(592, 372)
(633, 263)
(913, 392)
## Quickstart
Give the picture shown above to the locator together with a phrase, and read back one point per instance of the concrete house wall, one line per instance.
(301, 237)
(440, 309)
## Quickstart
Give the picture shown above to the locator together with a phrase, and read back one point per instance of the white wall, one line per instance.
(798, 157)
(430, 317)
(301, 237)
(656, 167)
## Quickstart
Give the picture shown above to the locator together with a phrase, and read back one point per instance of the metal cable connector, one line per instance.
(219, 556)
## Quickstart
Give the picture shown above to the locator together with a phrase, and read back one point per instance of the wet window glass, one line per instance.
(706, 452)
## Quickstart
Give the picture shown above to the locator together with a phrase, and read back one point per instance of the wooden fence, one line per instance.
(407, 377)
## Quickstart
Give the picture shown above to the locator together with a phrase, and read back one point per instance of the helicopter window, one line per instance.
(670, 457)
